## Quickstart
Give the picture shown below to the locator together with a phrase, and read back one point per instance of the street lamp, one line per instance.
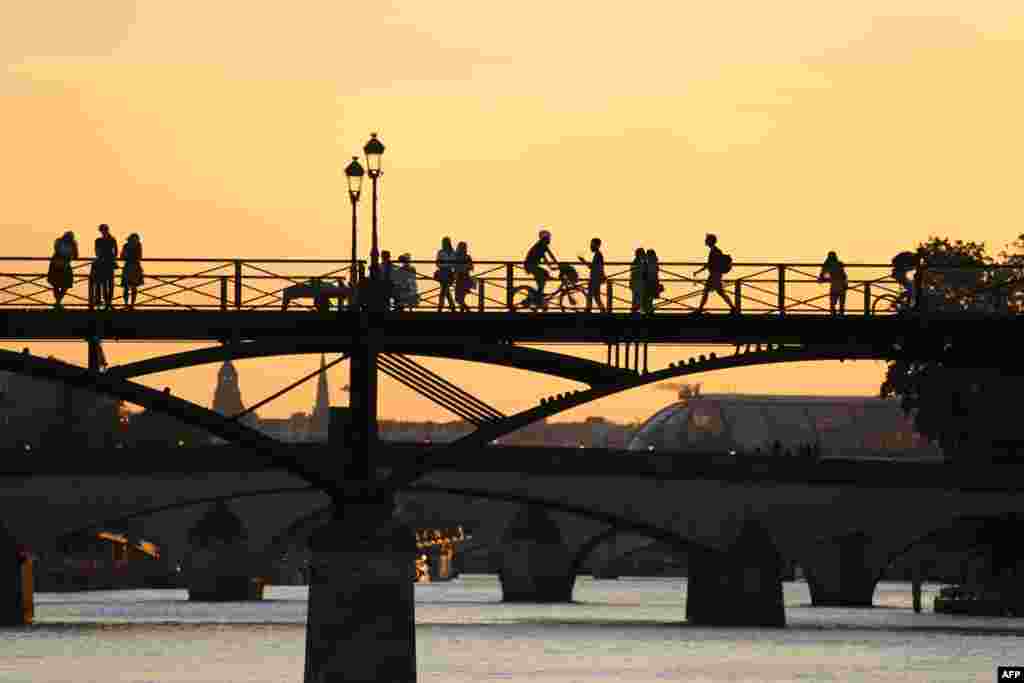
(373, 150)
(354, 176)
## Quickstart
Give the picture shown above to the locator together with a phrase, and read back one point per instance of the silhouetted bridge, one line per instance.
(736, 516)
(595, 497)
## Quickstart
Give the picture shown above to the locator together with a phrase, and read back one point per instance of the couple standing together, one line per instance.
(453, 267)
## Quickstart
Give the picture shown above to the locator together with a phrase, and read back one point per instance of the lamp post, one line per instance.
(354, 176)
(373, 150)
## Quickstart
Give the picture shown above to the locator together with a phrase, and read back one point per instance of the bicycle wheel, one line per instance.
(886, 303)
(571, 301)
(523, 297)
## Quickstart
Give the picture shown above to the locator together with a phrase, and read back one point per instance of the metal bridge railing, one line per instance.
(755, 288)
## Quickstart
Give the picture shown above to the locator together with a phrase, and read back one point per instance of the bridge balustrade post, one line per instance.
(92, 292)
(238, 284)
(223, 292)
(782, 289)
(738, 295)
(480, 294)
(867, 298)
(611, 299)
(509, 284)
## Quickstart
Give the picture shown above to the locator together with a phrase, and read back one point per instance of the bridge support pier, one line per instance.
(741, 586)
(16, 607)
(219, 566)
(361, 623)
(603, 561)
(838, 575)
(535, 563)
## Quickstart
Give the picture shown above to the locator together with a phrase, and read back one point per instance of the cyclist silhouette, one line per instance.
(540, 253)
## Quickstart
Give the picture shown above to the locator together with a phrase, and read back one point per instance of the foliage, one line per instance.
(966, 410)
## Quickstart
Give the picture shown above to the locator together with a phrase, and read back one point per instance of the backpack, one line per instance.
(905, 260)
(724, 263)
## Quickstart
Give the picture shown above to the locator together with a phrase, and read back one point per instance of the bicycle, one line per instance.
(892, 303)
(569, 287)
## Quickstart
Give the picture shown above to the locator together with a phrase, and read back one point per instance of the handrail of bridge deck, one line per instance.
(755, 287)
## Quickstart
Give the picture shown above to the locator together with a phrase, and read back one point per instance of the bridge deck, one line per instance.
(408, 330)
(561, 462)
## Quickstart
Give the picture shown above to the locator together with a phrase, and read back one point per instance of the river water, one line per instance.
(626, 630)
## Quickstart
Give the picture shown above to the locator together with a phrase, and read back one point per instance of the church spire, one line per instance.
(321, 409)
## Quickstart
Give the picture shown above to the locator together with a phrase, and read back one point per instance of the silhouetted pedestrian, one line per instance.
(387, 284)
(463, 280)
(404, 281)
(833, 271)
(131, 276)
(652, 281)
(596, 275)
(104, 265)
(718, 264)
(902, 264)
(60, 275)
(445, 274)
(638, 278)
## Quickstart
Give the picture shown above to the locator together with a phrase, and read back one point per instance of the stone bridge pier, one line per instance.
(738, 586)
(535, 562)
(16, 606)
(840, 571)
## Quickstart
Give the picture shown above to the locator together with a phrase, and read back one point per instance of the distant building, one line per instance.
(841, 426)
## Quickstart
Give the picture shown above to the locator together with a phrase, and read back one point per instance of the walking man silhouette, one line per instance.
(717, 265)
(596, 275)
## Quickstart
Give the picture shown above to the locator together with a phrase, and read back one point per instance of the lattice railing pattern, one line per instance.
(756, 288)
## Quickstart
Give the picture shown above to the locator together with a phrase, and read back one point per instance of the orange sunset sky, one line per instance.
(220, 129)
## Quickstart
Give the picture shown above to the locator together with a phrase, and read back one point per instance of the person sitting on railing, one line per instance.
(652, 282)
(60, 276)
(539, 254)
(445, 274)
(718, 264)
(596, 275)
(638, 278)
(833, 271)
(131, 276)
(104, 265)
(463, 280)
(403, 279)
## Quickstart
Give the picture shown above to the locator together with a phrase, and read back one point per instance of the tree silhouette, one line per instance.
(966, 410)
